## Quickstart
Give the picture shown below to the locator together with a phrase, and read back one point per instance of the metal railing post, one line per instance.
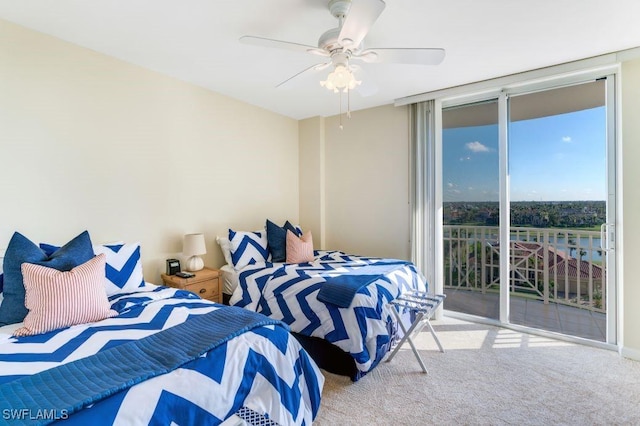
(545, 267)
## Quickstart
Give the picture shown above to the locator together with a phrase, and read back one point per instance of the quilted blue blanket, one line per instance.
(365, 328)
(340, 289)
(160, 361)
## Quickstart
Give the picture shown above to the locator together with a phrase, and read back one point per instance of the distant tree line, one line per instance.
(550, 214)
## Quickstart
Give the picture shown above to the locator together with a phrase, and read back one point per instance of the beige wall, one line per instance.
(631, 207)
(312, 178)
(366, 182)
(91, 142)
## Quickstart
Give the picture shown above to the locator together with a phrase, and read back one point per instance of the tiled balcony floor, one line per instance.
(531, 313)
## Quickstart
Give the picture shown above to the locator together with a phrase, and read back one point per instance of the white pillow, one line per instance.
(225, 246)
(124, 267)
(248, 248)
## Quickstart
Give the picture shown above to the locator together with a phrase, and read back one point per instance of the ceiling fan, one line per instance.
(344, 44)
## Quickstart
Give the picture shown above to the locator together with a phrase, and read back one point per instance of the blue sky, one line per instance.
(556, 158)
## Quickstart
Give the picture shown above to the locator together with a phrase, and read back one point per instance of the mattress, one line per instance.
(230, 279)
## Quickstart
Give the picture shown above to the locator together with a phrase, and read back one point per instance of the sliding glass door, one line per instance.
(558, 200)
(528, 196)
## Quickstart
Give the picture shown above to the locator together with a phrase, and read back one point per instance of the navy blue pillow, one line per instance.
(1, 282)
(277, 239)
(20, 250)
(48, 249)
(289, 227)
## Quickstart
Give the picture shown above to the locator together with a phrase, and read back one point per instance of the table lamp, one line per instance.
(192, 247)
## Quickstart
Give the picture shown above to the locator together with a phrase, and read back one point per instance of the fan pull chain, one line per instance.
(341, 110)
(348, 106)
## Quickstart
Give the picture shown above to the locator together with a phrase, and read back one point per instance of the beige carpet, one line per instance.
(489, 376)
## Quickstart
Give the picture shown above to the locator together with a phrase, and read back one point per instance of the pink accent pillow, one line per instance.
(57, 299)
(299, 249)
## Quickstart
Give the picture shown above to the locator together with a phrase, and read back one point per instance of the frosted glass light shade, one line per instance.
(192, 247)
(341, 78)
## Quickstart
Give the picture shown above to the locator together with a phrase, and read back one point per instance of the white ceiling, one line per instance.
(197, 41)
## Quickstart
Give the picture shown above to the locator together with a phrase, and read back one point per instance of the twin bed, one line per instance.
(163, 356)
(336, 304)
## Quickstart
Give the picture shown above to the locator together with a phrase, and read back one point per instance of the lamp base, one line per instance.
(194, 263)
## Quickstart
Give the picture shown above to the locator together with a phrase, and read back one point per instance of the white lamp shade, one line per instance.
(193, 245)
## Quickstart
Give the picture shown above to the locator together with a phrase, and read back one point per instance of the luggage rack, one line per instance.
(423, 305)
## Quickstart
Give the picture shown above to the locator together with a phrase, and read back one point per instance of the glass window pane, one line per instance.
(471, 214)
(557, 169)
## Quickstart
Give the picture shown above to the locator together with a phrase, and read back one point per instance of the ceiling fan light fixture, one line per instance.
(341, 78)
(329, 85)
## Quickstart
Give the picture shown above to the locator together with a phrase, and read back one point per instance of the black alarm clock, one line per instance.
(173, 266)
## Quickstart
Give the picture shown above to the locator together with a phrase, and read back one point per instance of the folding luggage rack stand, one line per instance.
(423, 305)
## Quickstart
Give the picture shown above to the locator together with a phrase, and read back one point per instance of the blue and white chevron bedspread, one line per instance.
(288, 292)
(263, 369)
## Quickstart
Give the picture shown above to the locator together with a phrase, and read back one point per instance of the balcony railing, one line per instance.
(565, 266)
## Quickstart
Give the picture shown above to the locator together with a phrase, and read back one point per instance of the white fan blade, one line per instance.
(279, 44)
(288, 82)
(361, 17)
(417, 56)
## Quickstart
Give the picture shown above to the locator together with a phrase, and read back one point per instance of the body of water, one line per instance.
(590, 247)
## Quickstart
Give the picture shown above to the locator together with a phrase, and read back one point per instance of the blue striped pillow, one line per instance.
(248, 248)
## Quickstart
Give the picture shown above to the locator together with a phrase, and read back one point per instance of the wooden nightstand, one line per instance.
(205, 284)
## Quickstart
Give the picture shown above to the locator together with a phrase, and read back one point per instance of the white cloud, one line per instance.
(476, 147)
(566, 139)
